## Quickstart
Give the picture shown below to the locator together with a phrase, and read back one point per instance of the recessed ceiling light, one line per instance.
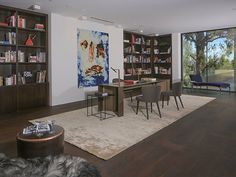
(141, 31)
(156, 34)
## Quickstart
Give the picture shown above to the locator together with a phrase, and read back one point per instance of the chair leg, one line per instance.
(168, 99)
(176, 102)
(181, 102)
(162, 99)
(151, 107)
(131, 98)
(147, 110)
(137, 107)
(158, 109)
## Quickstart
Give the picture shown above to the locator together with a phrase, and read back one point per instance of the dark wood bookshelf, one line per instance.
(136, 54)
(19, 95)
(141, 55)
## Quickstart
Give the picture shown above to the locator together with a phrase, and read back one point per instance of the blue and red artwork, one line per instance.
(92, 58)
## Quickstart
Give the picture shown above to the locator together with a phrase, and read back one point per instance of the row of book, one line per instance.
(156, 51)
(137, 71)
(9, 38)
(9, 80)
(21, 21)
(30, 77)
(162, 70)
(40, 57)
(137, 59)
(162, 60)
(25, 78)
(8, 56)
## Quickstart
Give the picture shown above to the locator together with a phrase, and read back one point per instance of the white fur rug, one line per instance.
(106, 138)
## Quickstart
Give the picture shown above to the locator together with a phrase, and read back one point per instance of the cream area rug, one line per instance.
(106, 138)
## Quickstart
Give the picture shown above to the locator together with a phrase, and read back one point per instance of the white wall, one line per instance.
(176, 56)
(63, 56)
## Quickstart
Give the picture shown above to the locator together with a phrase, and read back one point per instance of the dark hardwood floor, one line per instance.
(202, 144)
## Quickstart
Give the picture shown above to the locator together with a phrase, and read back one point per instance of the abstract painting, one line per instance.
(92, 58)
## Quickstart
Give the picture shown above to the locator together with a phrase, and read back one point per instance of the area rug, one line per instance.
(107, 138)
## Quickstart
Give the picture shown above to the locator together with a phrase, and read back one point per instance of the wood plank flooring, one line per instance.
(202, 144)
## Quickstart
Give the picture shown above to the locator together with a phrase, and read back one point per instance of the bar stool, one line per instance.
(100, 97)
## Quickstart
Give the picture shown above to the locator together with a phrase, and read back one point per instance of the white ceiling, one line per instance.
(151, 16)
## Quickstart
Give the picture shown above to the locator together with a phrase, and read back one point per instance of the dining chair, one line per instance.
(150, 94)
(176, 91)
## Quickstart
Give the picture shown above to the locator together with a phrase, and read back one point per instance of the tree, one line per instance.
(201, 41)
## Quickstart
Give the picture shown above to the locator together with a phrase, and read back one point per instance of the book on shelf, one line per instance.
(41, 76)
(21, 22)
(128, 49)
(11, 20)
(138, 40)
(128, 59)
(1, 80)
(156, 71)
(155, 42)
(156, 51)
(21, 56)
(166, 52)
(156, 59)
(146, 60)
(126, 40)
(148, 42)
(164, 70)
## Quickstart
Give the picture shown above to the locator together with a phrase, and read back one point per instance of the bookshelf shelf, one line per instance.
(8, 45)
(23, 68)
(32, 63)
(7, 28)
(31, 30)
(27, 46)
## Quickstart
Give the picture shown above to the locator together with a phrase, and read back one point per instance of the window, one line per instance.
(210, 54)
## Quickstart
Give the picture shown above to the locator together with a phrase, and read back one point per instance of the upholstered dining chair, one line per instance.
(150, 94)
(176, 91)
(116, 80)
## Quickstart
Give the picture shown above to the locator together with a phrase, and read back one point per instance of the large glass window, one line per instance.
(210, 54)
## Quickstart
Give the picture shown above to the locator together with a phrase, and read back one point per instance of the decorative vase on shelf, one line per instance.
(29, 41)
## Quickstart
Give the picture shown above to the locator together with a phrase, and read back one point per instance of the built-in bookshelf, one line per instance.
(137, 56)
(147, 56)
(23, 59)
(162, 57)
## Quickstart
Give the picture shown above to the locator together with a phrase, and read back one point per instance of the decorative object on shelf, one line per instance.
(93, 56)
(39, 26)
(29, 41)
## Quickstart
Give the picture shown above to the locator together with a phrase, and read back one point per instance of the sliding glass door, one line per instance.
(210, 54)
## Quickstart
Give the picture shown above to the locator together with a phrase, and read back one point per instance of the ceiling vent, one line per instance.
(101, 20)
